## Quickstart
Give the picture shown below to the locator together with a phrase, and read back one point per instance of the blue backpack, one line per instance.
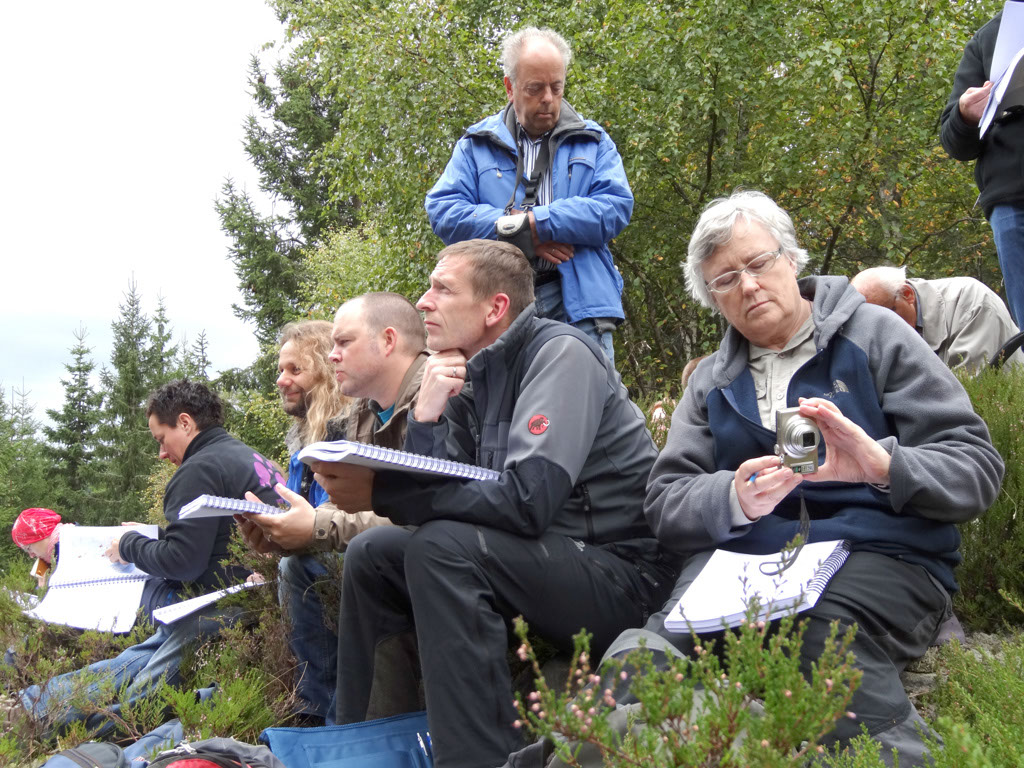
(402, 741)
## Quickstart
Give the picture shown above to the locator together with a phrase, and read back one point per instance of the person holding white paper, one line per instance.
(374, 353)
(903, 456)
(186, 419)
(37, 532)
(999, 154)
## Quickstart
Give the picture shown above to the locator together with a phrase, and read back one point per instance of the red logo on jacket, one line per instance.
(538, 424)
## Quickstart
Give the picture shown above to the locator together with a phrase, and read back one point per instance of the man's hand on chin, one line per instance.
(444, 375)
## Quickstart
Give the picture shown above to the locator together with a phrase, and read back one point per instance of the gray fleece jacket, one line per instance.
(883, 376)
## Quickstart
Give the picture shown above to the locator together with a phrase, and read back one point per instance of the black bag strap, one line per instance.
(531, 185)
(215, 758)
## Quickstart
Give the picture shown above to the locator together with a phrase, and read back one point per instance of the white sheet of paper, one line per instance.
(995, 97)
(1009, 40)
(721, 591)
(1008, 48)
(171, 613)
(109, 606)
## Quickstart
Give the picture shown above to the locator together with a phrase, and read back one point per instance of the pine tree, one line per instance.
(128, 447)
(31, 480)
(160, 359)
(286, 143)
(200, 358)
(73, 439)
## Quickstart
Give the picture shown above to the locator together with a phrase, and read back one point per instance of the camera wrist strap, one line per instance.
(786, 559)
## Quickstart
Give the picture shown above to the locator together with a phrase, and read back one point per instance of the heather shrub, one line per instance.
(745, 703)
(993, 544)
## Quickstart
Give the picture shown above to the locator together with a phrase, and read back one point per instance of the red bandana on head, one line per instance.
(34, 525)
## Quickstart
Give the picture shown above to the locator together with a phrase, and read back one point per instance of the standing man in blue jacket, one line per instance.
(576, 199)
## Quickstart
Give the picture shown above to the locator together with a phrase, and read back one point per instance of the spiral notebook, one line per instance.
(719, 595)
(379, 458)
(88, 591)
(222, 506)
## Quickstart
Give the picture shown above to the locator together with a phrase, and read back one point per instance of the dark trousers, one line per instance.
(459, 585)
(897, 608)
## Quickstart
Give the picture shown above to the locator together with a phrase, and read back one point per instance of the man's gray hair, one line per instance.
(715, 228)
(891, 279)
(512, 48)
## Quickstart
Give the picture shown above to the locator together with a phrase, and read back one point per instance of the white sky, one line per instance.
(120, 121)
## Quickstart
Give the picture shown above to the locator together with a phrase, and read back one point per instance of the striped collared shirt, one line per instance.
(530, 148)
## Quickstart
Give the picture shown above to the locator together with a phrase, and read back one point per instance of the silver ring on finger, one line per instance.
(455, 372)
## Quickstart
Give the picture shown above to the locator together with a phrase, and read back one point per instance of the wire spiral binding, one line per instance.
(106, 580)
(828, 569)
(415, 461)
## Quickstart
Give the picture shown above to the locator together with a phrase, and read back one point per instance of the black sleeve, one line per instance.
(183, 552)
(450, 437)
(523, 501)
(959, 139)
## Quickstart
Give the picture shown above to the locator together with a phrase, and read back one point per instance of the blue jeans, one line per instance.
(548, 300)
(137, 672)
(1007, 222)
(313, 644)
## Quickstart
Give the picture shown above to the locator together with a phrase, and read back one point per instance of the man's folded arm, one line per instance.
(333, 528)
(452, 205)
(597, 217)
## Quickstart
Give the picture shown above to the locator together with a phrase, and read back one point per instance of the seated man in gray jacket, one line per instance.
(962, 319)
(559, 535)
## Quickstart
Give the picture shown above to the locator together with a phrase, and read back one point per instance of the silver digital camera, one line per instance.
(796, 441)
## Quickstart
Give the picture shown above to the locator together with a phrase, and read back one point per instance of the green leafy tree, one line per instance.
(72, 439)
(833, 113)
(351, 262)
(285, 142)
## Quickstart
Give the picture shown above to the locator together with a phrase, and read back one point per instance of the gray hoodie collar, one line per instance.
(568, 120)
